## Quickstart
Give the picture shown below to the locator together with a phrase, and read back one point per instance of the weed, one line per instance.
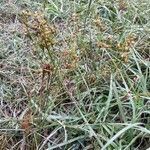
(75, 75)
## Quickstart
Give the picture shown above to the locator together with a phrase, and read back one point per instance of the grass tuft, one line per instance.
(75, 75)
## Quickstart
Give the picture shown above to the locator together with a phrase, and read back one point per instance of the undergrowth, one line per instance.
(75, 75)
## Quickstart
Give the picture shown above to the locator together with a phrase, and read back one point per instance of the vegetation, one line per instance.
(74, 74)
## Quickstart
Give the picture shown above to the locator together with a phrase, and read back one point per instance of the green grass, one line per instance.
(80, 80)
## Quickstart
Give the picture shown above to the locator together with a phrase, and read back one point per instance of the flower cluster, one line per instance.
(36, 25)
(69, 59)
(127, 44)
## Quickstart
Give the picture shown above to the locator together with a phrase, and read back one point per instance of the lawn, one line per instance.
(74, 75)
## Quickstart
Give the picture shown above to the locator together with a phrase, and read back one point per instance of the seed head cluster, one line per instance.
(35, 24)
